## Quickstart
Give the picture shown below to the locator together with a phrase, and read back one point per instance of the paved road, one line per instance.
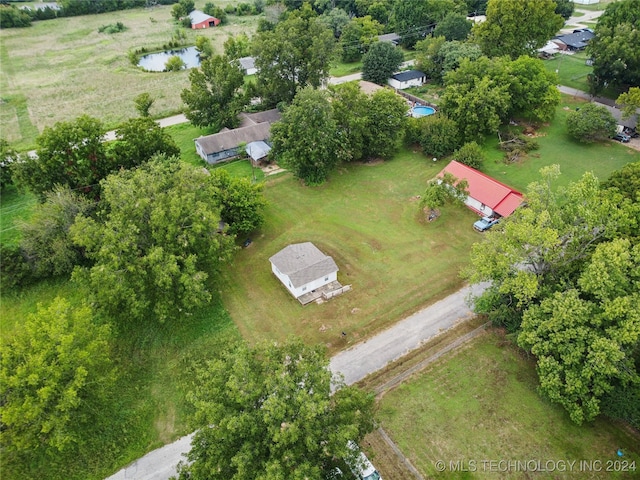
(354, 364)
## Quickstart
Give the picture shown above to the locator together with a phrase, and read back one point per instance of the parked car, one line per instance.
(622, 137)
(485, 223)
(362, 468)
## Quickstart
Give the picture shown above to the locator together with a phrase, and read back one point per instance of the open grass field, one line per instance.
(556, 146)
(59, 69)
(480, 403)
(367, 218)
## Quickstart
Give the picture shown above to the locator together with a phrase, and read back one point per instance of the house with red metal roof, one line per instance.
(487, 196)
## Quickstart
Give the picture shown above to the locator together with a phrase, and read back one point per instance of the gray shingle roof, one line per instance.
(198, 16)
(577, 39)
(303, 263)
(247, 62)
(258, 128)
(408, 75)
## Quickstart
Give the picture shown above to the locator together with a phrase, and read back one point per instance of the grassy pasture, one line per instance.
(480, 403)
(556, 146)
(366, 217)
(59, 69)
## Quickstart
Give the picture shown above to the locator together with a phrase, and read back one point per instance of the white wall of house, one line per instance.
(297, 292)
(479, 206)
(416, 82)
(251, 71)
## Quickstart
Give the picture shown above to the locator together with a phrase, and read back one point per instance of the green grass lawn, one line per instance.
(366, 217)
(58, 69)
(341, 69)
(14, 206)
(571, 69)
(480, 403)
(556, 146)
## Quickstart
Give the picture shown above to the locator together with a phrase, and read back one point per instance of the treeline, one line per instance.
(14, 17)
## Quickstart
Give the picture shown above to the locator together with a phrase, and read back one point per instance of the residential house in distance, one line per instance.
(254, 127)
(306, 272)
(409, 78)
(574, 42)
(248, 65)
(487, 196)
(200, 19)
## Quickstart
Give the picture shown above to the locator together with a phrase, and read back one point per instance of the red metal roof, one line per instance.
(498, 196)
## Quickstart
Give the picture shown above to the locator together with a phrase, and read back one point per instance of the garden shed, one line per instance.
(410, 78)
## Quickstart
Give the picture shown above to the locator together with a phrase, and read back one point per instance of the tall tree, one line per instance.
(439, 135)
(386, 121)
(297, 53)
(69, 153)
(306, 139)
(454, 26)
(45, 239)
(237, 46)
(565, 8)
(54, 376)
(565, 275)
(583, 338)
(349, 109)
(436, 57)
(242, 202)
(626, 181)
(591, 123)
(155, 244)
(616, 58)
(357, 37)
(137, 141)
(630, 101)
(268, 412)
(517, 27)
(414, 19)
(216, 95)
(533, 90)
(380, 62)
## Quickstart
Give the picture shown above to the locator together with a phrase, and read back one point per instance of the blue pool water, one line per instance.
(422, 111)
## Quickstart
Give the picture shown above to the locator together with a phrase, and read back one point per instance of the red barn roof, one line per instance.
(497, 196)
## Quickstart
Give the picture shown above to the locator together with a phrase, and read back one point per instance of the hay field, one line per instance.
(59, 69)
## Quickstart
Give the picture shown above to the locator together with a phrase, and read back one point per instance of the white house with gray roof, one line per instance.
(302, 268)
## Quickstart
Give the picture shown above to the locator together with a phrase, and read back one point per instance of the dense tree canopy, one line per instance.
(69, 153)
(297, 53)
(614, 49)
(380, 62)
(45, 240)
(454, 26)
(306, 139)
(626, 181)
(137, 140)
(517, 27)
(357, 36)
(565, 8)
(565, 276)
(155, 245)
(591, 123)
(267, 412)
(350, 108)
(436, 57)
(386, 119)
(216, 95)
(54, 375)
(242, 202)
(413, 19)
(630, 101)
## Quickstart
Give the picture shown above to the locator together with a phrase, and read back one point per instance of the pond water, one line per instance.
(155, 62)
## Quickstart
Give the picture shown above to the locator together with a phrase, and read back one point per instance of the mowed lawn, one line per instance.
(480, 403)
(368, 219)
(57, 70)
(556, 147)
